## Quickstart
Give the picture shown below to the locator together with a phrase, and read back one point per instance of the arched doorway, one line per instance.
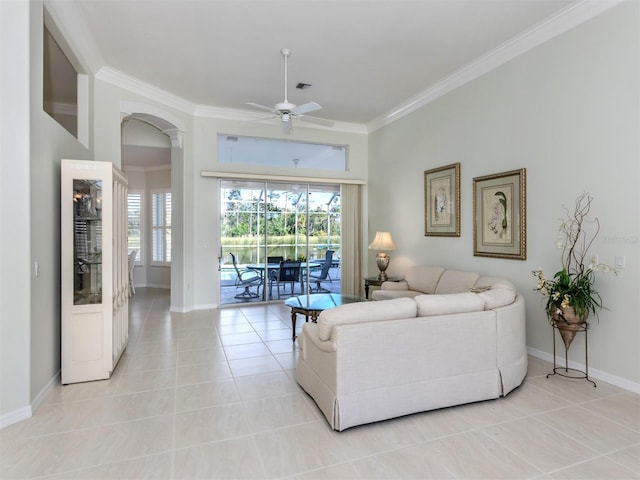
(156, 126)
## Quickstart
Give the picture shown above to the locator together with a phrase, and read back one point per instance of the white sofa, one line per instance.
(371, 361)
(433, 280)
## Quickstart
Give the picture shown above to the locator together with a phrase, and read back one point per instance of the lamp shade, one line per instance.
(383, 241)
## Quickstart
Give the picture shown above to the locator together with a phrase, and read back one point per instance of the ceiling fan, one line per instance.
(288, 111)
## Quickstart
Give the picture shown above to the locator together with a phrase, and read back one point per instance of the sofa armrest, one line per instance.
(364, 312)
(401, 285)
(310, 334)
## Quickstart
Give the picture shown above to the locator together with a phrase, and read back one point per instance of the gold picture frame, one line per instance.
(499, 215)
(442, 201)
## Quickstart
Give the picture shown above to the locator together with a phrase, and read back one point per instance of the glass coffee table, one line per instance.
(311, 305)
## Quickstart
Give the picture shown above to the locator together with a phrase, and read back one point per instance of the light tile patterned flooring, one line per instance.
(210, 394)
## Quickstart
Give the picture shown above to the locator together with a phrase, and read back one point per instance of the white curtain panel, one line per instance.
(351, 266)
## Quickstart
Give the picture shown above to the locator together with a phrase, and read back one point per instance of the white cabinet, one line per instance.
(94, 273)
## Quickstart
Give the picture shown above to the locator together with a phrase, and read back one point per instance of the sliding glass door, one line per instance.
(263, 223)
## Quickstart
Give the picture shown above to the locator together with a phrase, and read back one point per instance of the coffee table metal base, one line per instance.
(313, 305)
(294, 317)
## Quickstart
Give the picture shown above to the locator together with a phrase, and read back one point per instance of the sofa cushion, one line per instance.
(390, 294)
(364, 312)
(497, 297)
(499, 292)
(423, 279)
(429, 305)
(494, 282)
(454, 281)
(402, 285)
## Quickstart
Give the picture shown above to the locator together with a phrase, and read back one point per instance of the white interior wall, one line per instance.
(199, 212)
(566, 111)
(50, 142)
(206, 205)
(15, 294)
(32, 145)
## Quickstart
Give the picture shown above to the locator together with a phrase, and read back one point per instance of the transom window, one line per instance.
(281, 153)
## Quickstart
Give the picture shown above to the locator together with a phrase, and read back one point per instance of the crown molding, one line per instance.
(566, 19)
(563, 21)
(224, 113)
(144, 89)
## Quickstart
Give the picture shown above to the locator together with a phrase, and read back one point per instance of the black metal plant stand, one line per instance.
(572, 372)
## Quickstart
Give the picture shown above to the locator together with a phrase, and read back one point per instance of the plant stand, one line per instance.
(566, 371)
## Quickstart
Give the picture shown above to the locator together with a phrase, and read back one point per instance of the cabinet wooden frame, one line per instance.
(94, 293)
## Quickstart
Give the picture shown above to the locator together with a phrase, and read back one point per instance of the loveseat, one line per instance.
(371, 361)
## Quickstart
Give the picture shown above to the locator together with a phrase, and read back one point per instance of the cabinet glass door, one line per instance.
(87, 241)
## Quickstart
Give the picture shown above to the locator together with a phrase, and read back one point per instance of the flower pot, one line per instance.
(567, 322)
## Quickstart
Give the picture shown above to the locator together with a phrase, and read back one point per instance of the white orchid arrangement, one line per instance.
(573, 285)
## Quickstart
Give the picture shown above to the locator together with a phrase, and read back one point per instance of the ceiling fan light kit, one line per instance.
(288, 111)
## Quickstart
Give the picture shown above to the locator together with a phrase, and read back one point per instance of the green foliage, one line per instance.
(573, 285)
(245, 222)
(570, 289)
(251, 249)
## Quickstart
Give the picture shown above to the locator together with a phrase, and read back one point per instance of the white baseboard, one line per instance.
(28, 411)
(181, 309)
(14, 417)
(594, 373)
(45, 391)
(213, 306)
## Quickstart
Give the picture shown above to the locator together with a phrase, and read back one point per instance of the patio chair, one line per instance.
(289, 272)
(247, 278)
(323, 275)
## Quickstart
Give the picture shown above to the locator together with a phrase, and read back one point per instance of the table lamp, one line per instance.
(383, 241)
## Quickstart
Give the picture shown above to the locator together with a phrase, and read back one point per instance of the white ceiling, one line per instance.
(364, 59)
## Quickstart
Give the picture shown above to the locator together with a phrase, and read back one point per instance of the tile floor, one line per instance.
(210, 394)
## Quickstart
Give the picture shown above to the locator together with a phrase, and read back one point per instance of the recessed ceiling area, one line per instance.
(363, 59)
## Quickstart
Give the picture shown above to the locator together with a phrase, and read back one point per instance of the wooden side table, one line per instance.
(374, 282)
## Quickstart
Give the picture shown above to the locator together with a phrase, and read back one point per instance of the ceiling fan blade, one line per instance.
(306, 108)
(261, 119)
(316, 120)
(263, 107)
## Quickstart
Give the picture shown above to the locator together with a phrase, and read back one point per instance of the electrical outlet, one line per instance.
(619, 261)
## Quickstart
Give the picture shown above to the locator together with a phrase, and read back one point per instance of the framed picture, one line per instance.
(442, 201)
(499, 215)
